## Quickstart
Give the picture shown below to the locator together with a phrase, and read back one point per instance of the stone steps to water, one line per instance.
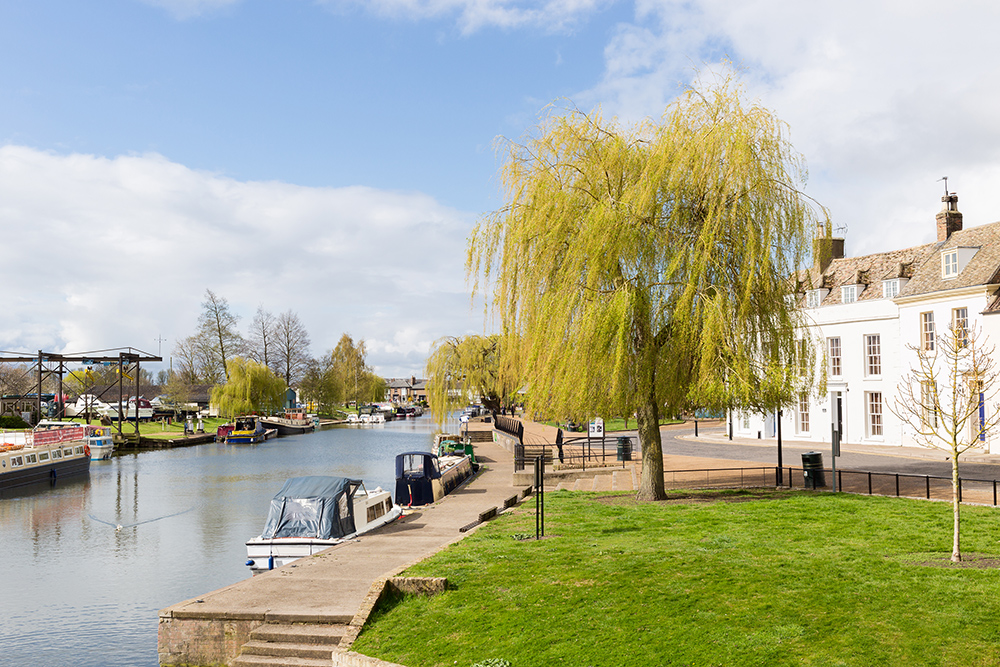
(270, 661)
(290, 645)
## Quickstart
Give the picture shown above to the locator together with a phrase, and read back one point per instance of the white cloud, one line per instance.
(186, 9)
(104, 253)
(473, 15)
(883, 98)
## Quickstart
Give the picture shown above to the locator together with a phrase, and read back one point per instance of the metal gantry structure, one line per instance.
(46, 365)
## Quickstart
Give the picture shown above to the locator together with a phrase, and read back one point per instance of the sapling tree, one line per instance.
(948, 399)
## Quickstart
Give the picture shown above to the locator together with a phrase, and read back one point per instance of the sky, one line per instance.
(331, 157)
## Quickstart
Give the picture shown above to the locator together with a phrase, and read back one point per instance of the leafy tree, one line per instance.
(218, 338)
(944, 398)
(252, 387)
(291, 347)
(260, 342)
(643, 269)
(347, 362)
(461, 368)
(322, 385)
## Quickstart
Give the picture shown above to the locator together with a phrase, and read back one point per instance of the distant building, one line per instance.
(867, 312)
(406, 390)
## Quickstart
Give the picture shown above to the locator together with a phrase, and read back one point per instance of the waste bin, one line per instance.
(812, 470)
(624, 449)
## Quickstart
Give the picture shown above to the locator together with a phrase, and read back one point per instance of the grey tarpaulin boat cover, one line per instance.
(315, 507)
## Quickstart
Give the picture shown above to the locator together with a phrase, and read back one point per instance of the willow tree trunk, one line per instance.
(651, 483)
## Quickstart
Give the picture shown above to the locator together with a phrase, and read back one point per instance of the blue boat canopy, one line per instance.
(313, 507)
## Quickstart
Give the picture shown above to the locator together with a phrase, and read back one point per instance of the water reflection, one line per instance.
(185, 515)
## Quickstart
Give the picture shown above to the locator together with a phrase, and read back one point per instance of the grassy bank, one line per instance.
(160, 429)
(724, 579)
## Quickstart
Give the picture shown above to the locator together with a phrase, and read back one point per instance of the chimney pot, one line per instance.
(949, 218)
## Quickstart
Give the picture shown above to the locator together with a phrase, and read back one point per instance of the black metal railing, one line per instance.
(901, 485)
(579, 453)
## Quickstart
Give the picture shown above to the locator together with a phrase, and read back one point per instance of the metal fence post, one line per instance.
(539, 496)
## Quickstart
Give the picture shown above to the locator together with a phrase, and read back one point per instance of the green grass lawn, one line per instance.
(156, 429)
(730, 578)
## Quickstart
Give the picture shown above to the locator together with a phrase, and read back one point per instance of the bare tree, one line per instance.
(291, 347)
(944, 400)
(218, 336)
(260, 341)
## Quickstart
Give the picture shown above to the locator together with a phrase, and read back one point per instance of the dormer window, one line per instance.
(848, 293)
(890, 289)
(949, 264)
(953, 262)
(814, 297)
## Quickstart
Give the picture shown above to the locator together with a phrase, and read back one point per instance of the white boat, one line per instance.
(311, 514)
(140, 405)
(42, 455)
(100, 443)
(88, 403)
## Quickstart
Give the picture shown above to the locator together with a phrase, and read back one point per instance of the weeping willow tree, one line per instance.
(252, 387)
(465, 368)
(645, 269)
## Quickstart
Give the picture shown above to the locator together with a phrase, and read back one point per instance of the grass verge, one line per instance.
(723, 578)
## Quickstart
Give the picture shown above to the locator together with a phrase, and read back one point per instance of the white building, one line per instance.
(868, 312)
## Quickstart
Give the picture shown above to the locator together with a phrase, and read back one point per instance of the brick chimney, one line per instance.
(949, 219)
(826, 248)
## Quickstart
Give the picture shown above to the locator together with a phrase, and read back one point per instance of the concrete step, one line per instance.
(271, 661)
(602, 482)
(287, 650)
(621, 480)
(584, 484)
(300, 633)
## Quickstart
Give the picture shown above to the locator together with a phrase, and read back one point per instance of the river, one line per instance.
(78, 592)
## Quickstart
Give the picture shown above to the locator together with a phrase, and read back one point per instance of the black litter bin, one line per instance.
(812, 470)
(624, 449)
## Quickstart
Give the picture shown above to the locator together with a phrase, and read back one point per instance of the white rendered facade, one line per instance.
(868, 334)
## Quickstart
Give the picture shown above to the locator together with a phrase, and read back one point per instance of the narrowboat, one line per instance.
(43, 455)
(423, 478)
(293, 422)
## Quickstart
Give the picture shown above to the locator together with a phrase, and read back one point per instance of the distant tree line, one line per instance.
(276, 347)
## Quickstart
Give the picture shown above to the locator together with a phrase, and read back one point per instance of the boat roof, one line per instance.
(311, 507)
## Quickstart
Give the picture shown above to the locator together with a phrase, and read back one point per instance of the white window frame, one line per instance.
(873, 355)
(960, 324)
(848, 293)
(874, 414)
(890, 288)
(835, 353)
(949, 264)
(927, 331)
(802, 414)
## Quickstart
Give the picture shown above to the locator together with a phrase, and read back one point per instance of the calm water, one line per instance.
(76, 592)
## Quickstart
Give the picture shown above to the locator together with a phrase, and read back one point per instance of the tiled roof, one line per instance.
(869, 270)
(983, 268)
(920, 264)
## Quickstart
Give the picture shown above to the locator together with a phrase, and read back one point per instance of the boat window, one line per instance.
(437, 466)
(31, 458)
(43, 456)
(57, 453)
(78, 450)
(413, 464)
(16, 462)
(68, 451)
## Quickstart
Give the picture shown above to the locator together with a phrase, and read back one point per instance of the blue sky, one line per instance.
(330, 158)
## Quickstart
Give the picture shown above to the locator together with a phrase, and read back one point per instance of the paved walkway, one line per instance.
(331, 586)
